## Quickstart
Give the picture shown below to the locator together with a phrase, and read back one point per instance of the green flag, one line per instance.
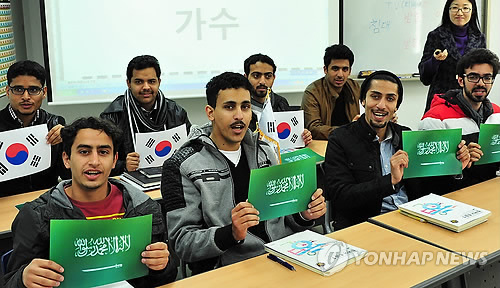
(489, 140)
(432, 152)
(98, 252)
(282, 189)
(301, 154)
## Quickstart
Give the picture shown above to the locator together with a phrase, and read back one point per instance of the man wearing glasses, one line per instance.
(468, 107)
(26, 91)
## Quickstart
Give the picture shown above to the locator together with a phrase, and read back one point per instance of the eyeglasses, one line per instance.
(464, 10)
(32, 90)
(474, 78)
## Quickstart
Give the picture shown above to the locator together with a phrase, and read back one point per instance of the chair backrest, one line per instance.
(5, 260)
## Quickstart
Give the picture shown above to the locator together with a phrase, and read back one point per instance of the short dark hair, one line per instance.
(382, 75)
(26, 68)
(477, 56)
(226, 80)
(143, 62)
(473, 22)
(338, 52)
(68, 133)
(257, 58)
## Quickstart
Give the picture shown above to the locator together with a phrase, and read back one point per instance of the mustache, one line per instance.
(236, 123)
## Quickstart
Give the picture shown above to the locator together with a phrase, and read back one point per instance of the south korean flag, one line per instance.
(290, 126)
(23, 152)
(156, 147)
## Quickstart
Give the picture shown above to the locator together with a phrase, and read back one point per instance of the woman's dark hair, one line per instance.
(473, 22)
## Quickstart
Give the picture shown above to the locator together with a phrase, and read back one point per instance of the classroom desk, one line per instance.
(484, 237)
(261, 272)
(318, 146)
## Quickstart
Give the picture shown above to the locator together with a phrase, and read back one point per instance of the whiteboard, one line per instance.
(88, 49)
(390, 34)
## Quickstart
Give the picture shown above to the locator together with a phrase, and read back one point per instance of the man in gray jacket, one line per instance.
(205, 185)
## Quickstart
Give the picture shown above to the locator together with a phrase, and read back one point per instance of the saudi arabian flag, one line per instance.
(99, 252)
(489, 140)
(432, 152)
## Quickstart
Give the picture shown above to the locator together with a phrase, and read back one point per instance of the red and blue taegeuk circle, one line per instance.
(16, 154)
(284, 130)
(163, 148)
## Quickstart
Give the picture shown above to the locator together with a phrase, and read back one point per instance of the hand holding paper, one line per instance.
(42, 273)
(132, 161)
(243, 216)
(399, 161)
(317, 207)
(156, 256)
(463, 155)
(475, 152)
(307, 137)
(54, 135)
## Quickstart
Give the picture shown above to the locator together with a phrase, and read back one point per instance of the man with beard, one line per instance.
(26, 91)
(467, 108)
(260, 71)
(141, 109)
(205, 185)
(333, 100)
(365, 162)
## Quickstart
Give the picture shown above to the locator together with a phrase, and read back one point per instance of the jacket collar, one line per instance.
(456, 97)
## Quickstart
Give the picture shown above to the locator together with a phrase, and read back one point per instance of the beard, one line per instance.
(377, 124)
(477, 99)
(260, 94)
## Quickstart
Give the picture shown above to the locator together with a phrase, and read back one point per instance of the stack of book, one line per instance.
(316, 252)
(145, 179)
(445, 212)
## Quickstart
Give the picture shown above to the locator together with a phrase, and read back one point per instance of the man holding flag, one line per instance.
(26, 91)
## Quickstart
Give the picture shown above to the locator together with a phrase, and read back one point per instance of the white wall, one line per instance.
(409, 113)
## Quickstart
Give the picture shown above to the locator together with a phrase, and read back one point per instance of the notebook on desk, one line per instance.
(316, 252)
(445, 212)
(141, 181)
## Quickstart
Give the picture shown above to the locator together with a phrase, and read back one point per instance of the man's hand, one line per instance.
(307, 137)
(317, 207)
(243, 216)
(356, 118)
(475, 152)
(42, 273)
(54, 135)
(399, 161)
(156, 256)
(463, 155)
(395, 118)
(132, 162)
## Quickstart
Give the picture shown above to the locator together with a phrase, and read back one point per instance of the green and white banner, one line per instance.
(98, 252)
(432, 152)
(301, 154)
(489, 140)
(282, 189)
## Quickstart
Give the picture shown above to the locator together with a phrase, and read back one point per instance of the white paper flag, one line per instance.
(156, 147)
(23, 152)
(289, 126)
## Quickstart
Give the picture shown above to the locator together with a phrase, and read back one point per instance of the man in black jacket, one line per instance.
(26, 91)
(89, 150)
(141, 109)
(364, 159)
(260, 71)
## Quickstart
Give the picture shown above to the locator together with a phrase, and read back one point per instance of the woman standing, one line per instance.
(458, 33)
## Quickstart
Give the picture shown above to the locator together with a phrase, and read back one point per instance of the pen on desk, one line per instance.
(414, 217)
(280, 261)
